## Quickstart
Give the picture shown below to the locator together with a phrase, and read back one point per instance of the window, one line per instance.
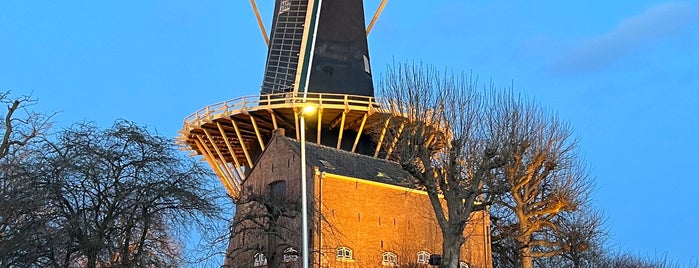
(277, 191)
(389, 259)
(290, 255)
(260, 260)
(367, 68)
(463, 265)
(344, 253)
(423, 257)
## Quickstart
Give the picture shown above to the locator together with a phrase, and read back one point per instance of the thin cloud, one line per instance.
(656, 23)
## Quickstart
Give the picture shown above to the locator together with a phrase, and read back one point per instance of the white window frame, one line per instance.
(367, 67)
(423, 257)
(343, 254)
(389, 259)
(290, 255)
(463, 265)
(260, 260)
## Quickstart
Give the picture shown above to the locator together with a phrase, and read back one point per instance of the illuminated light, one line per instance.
(308, 110)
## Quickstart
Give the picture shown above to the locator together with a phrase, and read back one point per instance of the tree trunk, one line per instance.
(451, 249)
(91, 260)
(525, 256)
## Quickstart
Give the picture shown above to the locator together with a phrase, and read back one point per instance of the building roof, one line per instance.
(349, 164)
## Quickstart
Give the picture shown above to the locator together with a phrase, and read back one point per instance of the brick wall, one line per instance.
(254, 233)
(369, 217)
(372, 218)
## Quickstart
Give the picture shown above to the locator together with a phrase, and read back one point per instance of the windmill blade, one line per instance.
(259, 21)
(376, 16)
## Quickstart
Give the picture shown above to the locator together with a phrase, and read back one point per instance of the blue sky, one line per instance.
(625, 74)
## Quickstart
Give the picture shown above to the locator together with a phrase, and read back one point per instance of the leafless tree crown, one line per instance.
(89, 197)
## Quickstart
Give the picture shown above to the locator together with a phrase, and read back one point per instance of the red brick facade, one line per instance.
(378, 222)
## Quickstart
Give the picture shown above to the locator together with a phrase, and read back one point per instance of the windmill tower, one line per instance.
(328, 56)
(317, 57)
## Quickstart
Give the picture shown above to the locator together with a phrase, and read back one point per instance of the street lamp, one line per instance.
(307, 110)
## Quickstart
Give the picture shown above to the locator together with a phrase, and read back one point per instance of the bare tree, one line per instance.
(581, 237)
(505, 248)
(437, 130)
(118, 196)
(627, 260)
(544, 178)
(266, 227)
(21, 220)
(21, 125)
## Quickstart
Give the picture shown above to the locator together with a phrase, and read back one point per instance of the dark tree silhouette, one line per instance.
(22, 235)
(118, 194)
(110, 197)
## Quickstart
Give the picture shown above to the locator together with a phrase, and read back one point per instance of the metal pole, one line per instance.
(304, 194)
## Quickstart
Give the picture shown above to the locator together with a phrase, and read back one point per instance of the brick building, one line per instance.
(364, 214)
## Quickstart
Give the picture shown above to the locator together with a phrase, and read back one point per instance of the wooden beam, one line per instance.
(242, 127)
(217, 169)
(274, 118)
(259, 22)
(222, 158)
(342, 129)
(354, 123)
(232, 152)
(376, 17)
(395, 140)
(320, 125)
(242, 143)
(296, 121)
(359, 133)
(336, 120)
(199, 142)
(257, 132)
(381, 137)
(262, 120)
(283, 120)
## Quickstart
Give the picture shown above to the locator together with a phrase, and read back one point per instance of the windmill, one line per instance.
(318, 58)
(317, 55)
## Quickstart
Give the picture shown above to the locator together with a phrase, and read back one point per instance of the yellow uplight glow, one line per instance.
(308, 110)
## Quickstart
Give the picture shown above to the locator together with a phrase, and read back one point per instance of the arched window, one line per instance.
(463, 265)
(344, 253)
(290, 255)
(260, 260)
(389, 259)
(423, 257)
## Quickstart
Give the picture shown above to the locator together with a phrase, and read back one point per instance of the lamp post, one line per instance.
(307, 110)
